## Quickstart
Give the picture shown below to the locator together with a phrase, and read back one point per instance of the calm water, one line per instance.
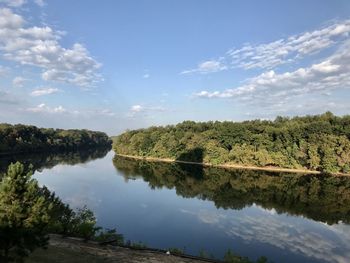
(285, 217)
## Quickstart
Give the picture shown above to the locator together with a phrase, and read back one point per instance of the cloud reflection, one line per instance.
(255, 224)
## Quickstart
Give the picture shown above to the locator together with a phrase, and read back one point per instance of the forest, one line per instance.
(28, 139)
(319, 142)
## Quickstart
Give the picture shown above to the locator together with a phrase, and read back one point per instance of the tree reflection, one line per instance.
(319, 197)
(41, 161)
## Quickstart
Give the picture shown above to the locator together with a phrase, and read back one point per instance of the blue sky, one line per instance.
(117, 65)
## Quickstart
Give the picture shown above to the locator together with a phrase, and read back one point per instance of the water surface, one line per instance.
(285, 217)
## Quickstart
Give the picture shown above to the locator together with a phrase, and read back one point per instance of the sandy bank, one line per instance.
(230, 166)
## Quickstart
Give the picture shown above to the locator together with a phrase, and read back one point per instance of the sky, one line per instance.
(118, 65)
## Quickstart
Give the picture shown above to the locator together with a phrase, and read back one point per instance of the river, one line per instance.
(285, 217)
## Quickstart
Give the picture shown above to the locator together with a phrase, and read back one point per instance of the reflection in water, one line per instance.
(284, 234)
(286, 217)
(318, 197)
(42, 161)
(265, 195)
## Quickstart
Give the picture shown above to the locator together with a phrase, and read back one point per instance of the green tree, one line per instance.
(84, 224)
(313, 157)
(24, 214)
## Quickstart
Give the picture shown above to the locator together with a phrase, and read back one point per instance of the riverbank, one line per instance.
(229, 166)
(55, 150)
(69, 250)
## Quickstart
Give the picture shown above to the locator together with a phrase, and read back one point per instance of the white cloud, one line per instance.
(136, 108)
(40, 47)
(282, 51)
(146, 76)
(205, 67)
(81, 113)
(13, 3)
(278, 88)
(43, 108)
(288, 49)
(9, 20)
(40, 3)
(139, 109)
(18, 82)
(325, 67)
(43, 91)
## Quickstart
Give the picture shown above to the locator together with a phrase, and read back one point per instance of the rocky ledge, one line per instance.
(69, 250)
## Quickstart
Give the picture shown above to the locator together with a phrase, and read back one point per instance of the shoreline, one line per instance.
(51, 151)
(229, 166)
(77, 250)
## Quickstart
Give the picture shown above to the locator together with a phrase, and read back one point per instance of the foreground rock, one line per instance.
(69, 250)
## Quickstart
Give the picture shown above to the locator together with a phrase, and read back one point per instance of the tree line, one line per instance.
(26, 139)
(319, 142)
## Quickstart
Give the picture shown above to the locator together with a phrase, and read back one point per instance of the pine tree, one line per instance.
(24, 214)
